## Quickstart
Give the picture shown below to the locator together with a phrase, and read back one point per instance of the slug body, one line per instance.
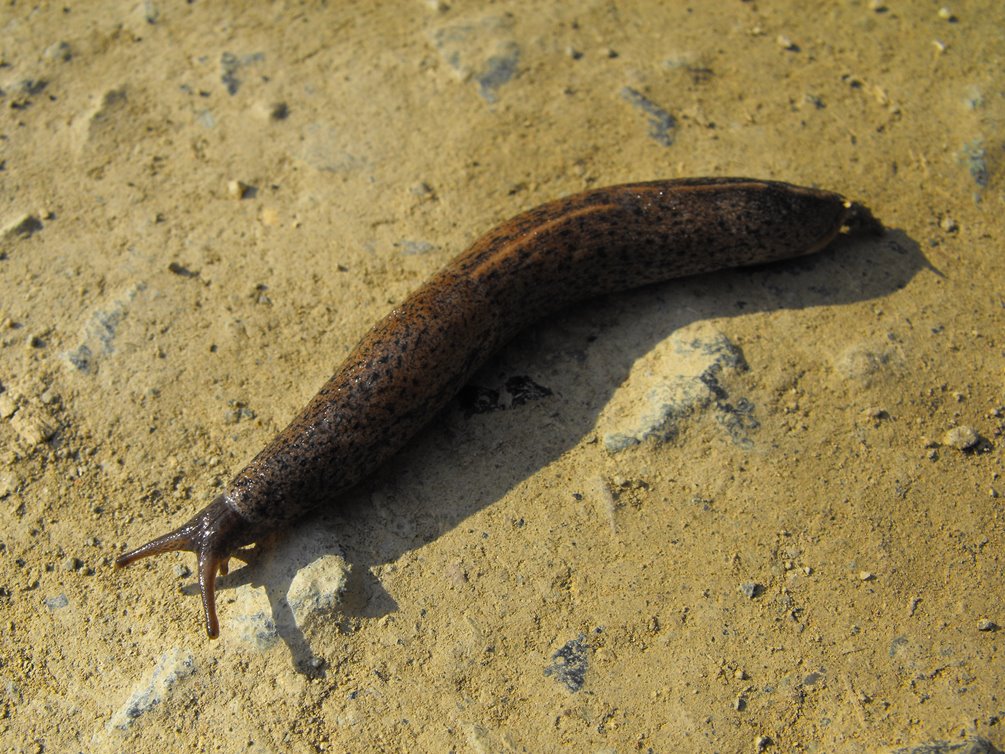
(419, 356)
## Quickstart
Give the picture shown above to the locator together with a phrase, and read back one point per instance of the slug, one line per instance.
(415, 359)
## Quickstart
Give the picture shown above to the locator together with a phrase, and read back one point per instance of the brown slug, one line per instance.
(415, 359)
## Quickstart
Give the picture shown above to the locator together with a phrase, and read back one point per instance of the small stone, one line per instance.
(877, 6)
(786, 44)
(8, 485)
(985, 624)
(961, 438)
(423, 191)
(739, 704)
(751, 590)
(949, 225)
(33, 429)
(72, 564)
(279, 111)
(237, 189)
(22, 227)
(762, 742)
(8, 405)
(947, 15)
(59, 51)
(866, 576)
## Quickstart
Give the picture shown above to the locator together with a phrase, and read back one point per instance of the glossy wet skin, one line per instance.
(416, 359)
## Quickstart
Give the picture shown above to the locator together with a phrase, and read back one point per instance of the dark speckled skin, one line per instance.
(416, 358)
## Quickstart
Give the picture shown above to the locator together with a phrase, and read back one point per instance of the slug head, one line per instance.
(212, 535)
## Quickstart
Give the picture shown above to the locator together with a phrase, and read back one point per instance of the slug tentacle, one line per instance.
(211, 535)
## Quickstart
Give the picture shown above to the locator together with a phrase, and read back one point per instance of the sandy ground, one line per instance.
(808, 554)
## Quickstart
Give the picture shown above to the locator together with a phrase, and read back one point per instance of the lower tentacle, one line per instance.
(211, 535)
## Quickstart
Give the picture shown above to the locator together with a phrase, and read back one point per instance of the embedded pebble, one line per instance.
(976, 745)
(59, 51)
(961, 438)
(22, 227)
(8, 405)
(662, 124)
(8, 485)
(867, 362)
(309, 572)
(57, 602)
(985, 624)
(482, 49)
(684, 377)
(99, 331)
(33, 428)
(172, 667)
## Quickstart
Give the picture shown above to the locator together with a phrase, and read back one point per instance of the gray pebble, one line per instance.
(751, 590)
(975, 745)
(173, 666)
(57, 602)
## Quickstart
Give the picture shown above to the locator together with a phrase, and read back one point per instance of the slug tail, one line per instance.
(212, 534)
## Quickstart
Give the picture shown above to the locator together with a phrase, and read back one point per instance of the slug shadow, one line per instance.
(385, 516)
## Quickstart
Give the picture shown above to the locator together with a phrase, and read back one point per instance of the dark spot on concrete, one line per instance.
(570, 663)
(662, 125)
